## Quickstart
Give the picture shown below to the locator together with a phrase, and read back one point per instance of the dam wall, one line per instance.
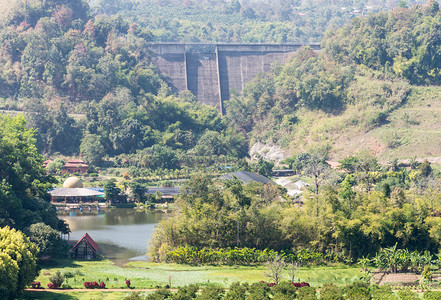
(212, 71)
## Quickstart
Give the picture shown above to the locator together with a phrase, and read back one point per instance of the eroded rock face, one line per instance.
(272, 153)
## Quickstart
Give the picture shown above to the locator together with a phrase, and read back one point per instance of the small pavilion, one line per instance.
(84, 248)
(74, 192)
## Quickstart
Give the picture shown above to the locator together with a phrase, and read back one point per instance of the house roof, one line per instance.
(86, 237)
(75, 165)
(164, 190)
(74, 192)
(245, 176)
(76, 161)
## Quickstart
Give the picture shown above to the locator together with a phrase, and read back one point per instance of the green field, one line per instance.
(150, 275)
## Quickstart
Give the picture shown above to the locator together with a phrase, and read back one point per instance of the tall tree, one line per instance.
(23, 181)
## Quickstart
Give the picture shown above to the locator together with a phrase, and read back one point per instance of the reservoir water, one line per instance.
(122, 234)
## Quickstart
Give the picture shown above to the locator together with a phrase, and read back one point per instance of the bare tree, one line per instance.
(292, 270)
(275, 268)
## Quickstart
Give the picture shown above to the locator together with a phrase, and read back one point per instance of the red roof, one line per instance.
(86, 237)
(48, 161)
(72, 165)
(76, 161)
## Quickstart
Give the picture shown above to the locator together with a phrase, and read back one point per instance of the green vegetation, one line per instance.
(347, 216)
(100, 68)
(23, 196)
(220, 21)
(18, 262)
(150, 275)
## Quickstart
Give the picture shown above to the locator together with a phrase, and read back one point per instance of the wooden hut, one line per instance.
(84, 248)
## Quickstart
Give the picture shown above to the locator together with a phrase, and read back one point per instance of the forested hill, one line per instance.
(242, 21)
(57, 59)
(375, 85)
(365, 89)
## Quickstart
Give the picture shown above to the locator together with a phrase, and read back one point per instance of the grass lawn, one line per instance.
(145, 275)
(150, 275)
(90, 295)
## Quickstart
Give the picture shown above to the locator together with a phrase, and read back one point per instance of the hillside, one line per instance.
(372, 87)
(411, 130)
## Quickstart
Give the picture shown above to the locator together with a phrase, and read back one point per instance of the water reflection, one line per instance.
(120, 233)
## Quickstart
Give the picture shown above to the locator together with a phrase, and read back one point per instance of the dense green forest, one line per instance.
(222, 21)
(99, 67)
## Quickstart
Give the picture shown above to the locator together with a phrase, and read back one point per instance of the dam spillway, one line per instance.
(212, 71)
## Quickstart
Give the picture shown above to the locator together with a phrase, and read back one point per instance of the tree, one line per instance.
(402, 4)
(313, 165)
(111, 190)
(275, 268)
(18, 262)
(138, 191)
(233, 6)
(92, 148)
(55, 166)
(263, 167)
(46, 238)
(23, 181)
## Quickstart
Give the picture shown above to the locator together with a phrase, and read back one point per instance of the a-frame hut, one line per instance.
(84, 248)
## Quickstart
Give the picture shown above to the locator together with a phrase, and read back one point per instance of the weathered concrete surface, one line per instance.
(211, 72)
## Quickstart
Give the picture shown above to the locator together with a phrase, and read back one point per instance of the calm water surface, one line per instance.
(121, 234)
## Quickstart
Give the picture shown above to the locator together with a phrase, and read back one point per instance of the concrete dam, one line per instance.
(212, 71)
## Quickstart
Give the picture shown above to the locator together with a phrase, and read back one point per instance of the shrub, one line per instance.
(432, 295)
(159, 294)
(237, 291)
(258, 290)
(300, 284)
(137, 296)
(51, 285)
(56, 280)
(407, 294)
(128, 283)
(284, 288)
(358, 291)
(187, 292)
(330, 291)
(382, 292)
(211, 293)
(102, 285)
(36, 285)
(88, 285)
(307, 293)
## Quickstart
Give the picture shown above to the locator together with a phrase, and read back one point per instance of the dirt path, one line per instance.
(91, 290)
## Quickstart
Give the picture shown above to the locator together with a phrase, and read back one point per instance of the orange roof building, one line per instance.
(75, 166)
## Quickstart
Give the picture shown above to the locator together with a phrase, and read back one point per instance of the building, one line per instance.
(167, 194)
(71, 166)
(245, 177)
(75, 166)
(85, 248)
(74, 192)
